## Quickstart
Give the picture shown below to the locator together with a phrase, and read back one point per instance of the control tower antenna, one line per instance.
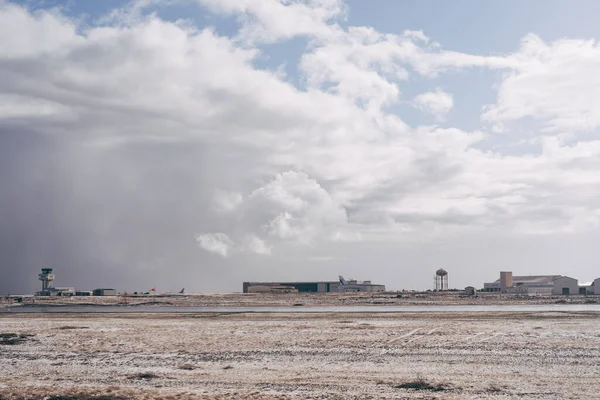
(46, 277)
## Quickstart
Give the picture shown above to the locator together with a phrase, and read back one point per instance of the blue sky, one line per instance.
(464, 25)
(468, 26)
(479, 26)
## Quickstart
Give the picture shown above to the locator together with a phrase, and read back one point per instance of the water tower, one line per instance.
(441, 279)
(46, 277)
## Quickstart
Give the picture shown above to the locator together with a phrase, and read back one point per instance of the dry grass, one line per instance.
(66, 395)
(144, 376)
(84, 397)
(71, 327)
(423, 385)
(11, 339)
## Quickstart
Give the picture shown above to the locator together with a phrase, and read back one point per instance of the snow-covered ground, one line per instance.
(301, 356)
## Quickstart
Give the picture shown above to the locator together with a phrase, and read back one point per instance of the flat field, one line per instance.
(306, 299)
(429, 355)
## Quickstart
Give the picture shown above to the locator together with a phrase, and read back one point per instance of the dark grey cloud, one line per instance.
(123, 217)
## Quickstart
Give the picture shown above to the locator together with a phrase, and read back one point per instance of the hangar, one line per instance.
(533, 284)
(342, 285)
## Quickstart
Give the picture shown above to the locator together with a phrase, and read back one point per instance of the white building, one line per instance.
(356, 286)
(541, 285)
(596, 287)
(66, 291)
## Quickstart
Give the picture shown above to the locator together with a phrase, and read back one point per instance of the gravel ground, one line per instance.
(301, 356)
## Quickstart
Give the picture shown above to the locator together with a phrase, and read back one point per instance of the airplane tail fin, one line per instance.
(342, 280)
(182, 291)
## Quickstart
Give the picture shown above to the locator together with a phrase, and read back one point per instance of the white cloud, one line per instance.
(361, 65)
(438, 103)
(417, 35)
(256, 245)
(296, 208)
(557, 84)
(227, 201)
(312, 165)
(223, 245)
(34, 33)
(218, 243)
(274, 20)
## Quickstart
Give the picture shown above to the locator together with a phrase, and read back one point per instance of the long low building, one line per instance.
(542, 285)
(277, 287)
(342, 285)
(271, 289)
(104, 292)
(57, 291)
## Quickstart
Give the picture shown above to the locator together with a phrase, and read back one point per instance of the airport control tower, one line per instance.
(46, 277)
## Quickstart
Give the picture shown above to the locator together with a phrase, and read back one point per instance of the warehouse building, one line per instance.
(105, 292)
(342, 285)
(541, 285)
(279, 287)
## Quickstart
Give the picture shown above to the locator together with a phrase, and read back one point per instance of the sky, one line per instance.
(203, 143)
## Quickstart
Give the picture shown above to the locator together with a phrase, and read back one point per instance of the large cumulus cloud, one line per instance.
(165, 139)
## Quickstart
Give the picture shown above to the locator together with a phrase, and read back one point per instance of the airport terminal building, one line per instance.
(342, 285)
